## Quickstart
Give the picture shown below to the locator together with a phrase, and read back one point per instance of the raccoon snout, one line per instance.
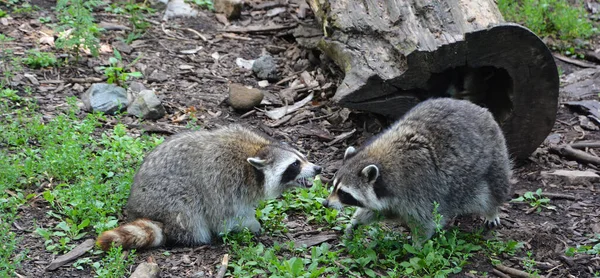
(318, 169)
(325, 203)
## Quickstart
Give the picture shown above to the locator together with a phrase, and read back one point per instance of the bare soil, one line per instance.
(200, 91)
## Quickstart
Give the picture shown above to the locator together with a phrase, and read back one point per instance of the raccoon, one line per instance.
(443, 150)
(198, 184)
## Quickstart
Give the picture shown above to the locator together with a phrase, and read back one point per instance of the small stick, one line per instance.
(197, 33)
(223, 268)
(259, 29)
(578, 155)
(346, 268)
(499, 273)
(247, 114)
(584, 145)
(560, 196)
(512, 271)
(235, 37)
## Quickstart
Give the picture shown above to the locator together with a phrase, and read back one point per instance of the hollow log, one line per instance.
(395, 54)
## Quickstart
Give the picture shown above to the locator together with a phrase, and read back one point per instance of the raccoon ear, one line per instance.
(257, 162)
(371, 172)
(350, 151)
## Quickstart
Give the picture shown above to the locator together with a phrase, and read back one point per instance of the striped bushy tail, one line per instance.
(139, 234)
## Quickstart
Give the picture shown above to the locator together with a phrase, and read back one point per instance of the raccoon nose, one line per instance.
(325, 203)
(318, 169)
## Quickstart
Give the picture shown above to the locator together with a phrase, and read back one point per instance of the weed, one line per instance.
(529, 265)
(77, 28)
(9, 64)
(36, 59)
(204, 4)
(45, 19)
(535, 200)
(586, 249)
(65, 154)
(548, 17)
(114, 264)
(3, 13)
(116, 71)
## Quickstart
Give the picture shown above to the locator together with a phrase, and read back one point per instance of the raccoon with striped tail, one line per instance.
(196, 185)
(443, 150)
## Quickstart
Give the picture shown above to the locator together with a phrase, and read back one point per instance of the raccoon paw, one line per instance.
(349, 231)
(492, 222)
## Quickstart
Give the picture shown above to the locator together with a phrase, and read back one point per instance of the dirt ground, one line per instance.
(197, 85)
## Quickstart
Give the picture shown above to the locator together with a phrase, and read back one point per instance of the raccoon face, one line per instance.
(356, 186)
(285, 168)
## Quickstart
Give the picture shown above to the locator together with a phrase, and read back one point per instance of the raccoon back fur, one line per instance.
(443, 150)
(198, 184)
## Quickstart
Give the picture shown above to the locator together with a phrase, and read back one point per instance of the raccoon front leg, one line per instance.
(237, 224)
(362, 216)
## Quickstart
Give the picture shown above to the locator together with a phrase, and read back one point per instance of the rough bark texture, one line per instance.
(397, 53)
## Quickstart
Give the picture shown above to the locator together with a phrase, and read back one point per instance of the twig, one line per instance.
(512, 271)
(578, 155)
(259, 29)
(128, 16)
(75, 80)
(314, 118)
(584, 145)
(235, 37)
(575, 62)
(195, 32)
(499, 273)
(346, 268)
(560, 196)
(223, 268)
(247, 114)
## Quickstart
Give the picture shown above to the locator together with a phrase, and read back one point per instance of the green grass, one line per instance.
(82, 173)
(556, 18)
(373, 251)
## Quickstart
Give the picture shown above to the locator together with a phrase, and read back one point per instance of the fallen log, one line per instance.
(397, 53)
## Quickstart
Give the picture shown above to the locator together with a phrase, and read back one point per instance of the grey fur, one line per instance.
(444, 150)
(202, 183)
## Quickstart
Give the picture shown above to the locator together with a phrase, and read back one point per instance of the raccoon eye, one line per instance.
(296, 163)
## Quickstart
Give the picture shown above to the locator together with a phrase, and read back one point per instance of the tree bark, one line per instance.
(397, 53)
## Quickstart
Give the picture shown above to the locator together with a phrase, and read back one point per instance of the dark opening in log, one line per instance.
(396, 54)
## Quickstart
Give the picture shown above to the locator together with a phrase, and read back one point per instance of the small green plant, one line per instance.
(549, 17)
(114, 264)
(77, 30)
(9, 64)
(3, 13)
(535, 200)
(36, 59)
(204, 4)
(529, 265)
(593, 249)
(116, 73)
(45, 19)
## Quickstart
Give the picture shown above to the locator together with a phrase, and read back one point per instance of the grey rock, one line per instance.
(232, 9)
(158, 76)
(243, 98)
(179, 8)
(122, 47)
(265, 68)
(301, 64)
(106, 98)
(136, 87)
(146, 105)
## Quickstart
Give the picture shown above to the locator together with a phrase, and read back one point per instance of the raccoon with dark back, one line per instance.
(443, 150)
(196, 185)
